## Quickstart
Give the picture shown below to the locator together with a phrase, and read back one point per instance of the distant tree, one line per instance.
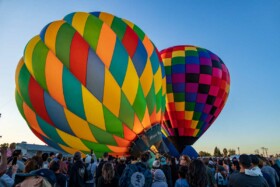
(6, 145)
(257, 151)
(204, 153)
(217, 152)
(225, 151)
(231, 152)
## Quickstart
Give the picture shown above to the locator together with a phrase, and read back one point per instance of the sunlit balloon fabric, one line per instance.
(91, 81)
(197, 83)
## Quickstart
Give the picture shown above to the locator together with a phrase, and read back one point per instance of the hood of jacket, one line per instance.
(255, 171)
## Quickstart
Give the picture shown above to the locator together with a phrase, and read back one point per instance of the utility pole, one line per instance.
(238, 150)
(266, 149)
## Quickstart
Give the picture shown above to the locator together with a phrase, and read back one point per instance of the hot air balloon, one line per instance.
(92, 82)
(197, 86)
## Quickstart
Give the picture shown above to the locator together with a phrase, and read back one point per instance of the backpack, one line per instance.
(90, 174)
(136, 175)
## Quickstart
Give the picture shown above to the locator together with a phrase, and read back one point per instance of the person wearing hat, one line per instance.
(40, 177)
(156, 165)
(210, 175)
(78, 172)
(159, 179)
(91, 166)
(241, 179)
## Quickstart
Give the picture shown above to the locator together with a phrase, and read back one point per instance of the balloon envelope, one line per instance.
(92, 81)
(171, 148)
(190, 151)
(197, 89)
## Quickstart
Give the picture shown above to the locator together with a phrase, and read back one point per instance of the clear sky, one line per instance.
(244, 34)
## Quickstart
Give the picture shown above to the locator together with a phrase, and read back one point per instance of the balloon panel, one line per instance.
(82, 85)
(190, 151)
(197, 88)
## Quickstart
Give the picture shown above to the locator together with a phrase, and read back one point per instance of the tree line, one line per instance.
(218, 153)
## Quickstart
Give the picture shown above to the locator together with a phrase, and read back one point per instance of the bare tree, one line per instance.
(262, 148)
(257, 151)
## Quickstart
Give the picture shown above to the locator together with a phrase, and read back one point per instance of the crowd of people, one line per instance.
(147, 170)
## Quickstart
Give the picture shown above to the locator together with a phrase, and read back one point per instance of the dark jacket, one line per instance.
(138, 174)
(99, 171)
(61, 180)
(243, 180)
(113, 183)
(78, 174)
(167, 172)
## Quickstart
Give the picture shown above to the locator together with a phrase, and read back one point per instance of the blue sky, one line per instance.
(244, 34)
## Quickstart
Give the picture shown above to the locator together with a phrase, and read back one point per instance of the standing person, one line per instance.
(108, 178)
(226, 165)
(6, 180)
(61, 179)
(63, 168)
(254, 170)
(235, 167)
(78, 173)
(156, 165)
(197, 176)
(276, 166)
(38, 157)
(91, 169)
(138, 174)
(45, 163)
(11, 149)
(243, 180)
(185, 160)
(159, 179)
(51, 157)
(221, 176)
(182, 181)
(120, 166)
(174, 169)
(166, 170)
(210, 176)
(100, 166)
(267, 169)
(17, 153)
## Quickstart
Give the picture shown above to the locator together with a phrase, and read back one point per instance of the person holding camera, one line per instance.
(6, 180)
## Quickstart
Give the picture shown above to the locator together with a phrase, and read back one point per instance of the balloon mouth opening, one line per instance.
(180, 142)
(149, 140)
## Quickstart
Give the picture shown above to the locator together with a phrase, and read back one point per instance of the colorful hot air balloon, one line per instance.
(197, 84)
(92, 81)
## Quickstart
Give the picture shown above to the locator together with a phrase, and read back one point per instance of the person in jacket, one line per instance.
(138, 174)
(108, 178)
(159, 179)
(166, 170)
(78, 173)
(242, 179)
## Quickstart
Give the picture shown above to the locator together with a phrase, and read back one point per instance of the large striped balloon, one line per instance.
(197, 84)
(92, 81)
